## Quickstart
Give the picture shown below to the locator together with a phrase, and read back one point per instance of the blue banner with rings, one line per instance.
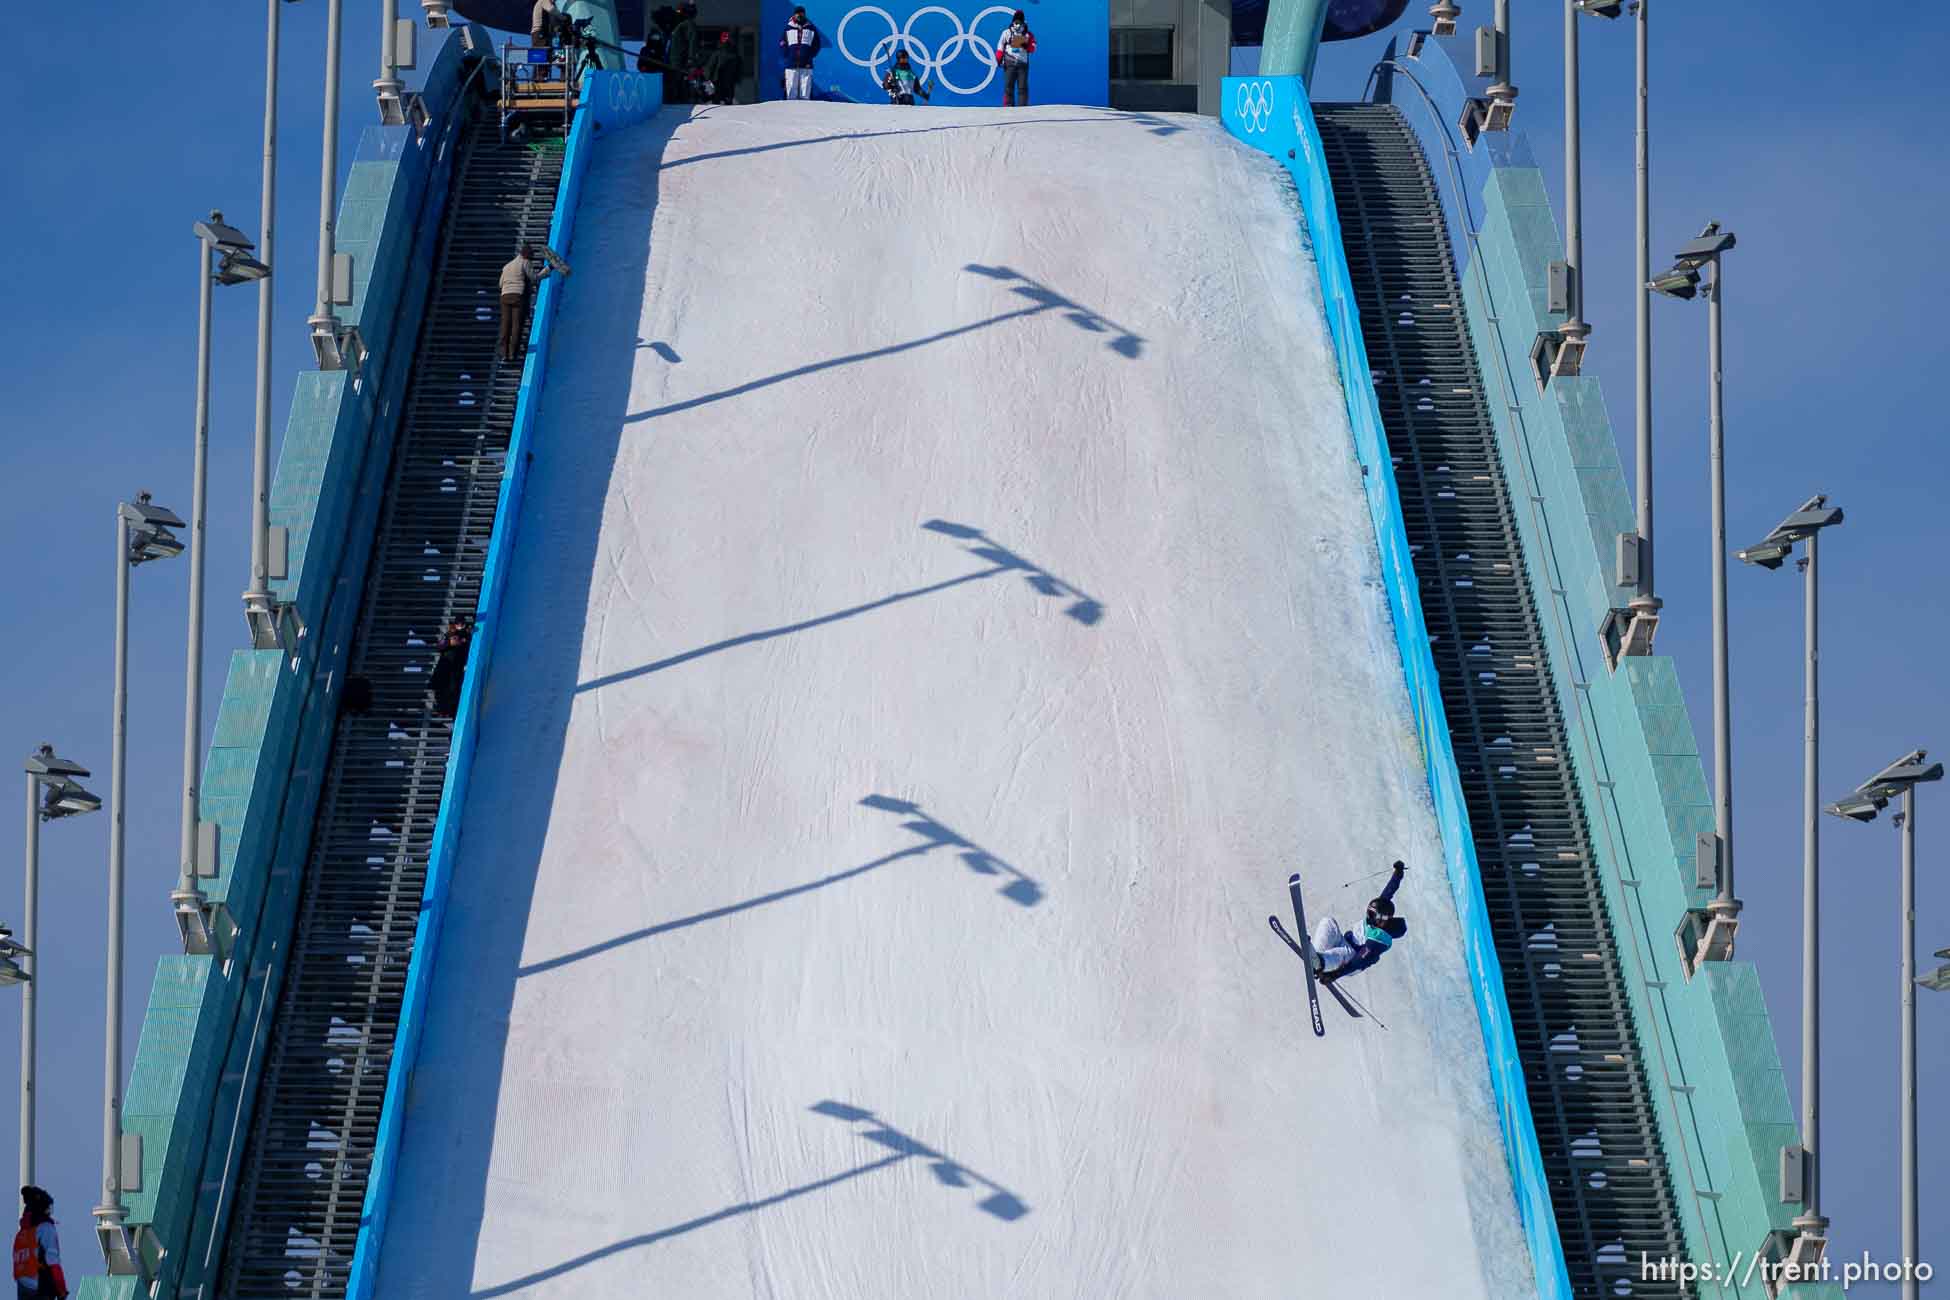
(951, 45)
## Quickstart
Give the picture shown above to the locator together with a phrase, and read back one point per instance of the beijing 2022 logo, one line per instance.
(931, 62)
(1252, 101)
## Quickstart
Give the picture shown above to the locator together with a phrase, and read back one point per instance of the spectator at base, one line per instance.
(37, 1250)
(798, 47)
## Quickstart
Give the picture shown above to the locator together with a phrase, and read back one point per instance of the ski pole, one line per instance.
(1359, 1003)
(1370, 876)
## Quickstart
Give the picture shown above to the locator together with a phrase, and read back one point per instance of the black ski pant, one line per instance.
(1015, 85)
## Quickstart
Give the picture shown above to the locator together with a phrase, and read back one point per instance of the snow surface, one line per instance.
(945, 611)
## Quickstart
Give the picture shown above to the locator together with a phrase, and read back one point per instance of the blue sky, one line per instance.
(1798, 133)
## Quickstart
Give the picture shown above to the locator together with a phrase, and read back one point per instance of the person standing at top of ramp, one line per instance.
(1013, 52)
(546, 21)
(516, 278)
(799, 46)
(37, 1250)
(1338, 952)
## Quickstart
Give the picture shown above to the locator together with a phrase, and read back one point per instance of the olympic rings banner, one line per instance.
(951, 44)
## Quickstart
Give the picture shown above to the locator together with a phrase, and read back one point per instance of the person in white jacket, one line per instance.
(1013, 52)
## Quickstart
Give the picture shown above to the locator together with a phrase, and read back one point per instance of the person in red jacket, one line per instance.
(1013, 52)
(37, 1250)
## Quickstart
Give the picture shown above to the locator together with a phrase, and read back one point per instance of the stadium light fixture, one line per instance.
(1900, 779)
(1938, 980)
(1600, 8)
(1681, 282)
(437, 13)
(1800, 1172)
(1443, 15)
(52, 793)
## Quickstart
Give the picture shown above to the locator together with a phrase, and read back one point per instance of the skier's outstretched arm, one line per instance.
(1394, 881)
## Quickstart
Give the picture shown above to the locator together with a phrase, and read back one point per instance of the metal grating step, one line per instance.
(302, 1184)
(1610, 1185)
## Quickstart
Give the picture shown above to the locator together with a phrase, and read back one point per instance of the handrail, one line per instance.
(1612, 820)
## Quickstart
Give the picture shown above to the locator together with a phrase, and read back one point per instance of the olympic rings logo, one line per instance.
(1252, 103)
(929, 63)
(628, 91)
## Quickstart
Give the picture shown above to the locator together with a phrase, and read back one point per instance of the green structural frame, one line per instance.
(1719, 1090)
(202, 1040)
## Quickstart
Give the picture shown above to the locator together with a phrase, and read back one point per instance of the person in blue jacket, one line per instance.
(799, 45)
(1339, 952)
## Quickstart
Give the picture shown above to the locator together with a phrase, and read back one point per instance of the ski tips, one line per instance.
(1293, 879)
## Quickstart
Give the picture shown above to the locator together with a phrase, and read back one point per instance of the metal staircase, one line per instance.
(1609, 1182)
(302, 1183)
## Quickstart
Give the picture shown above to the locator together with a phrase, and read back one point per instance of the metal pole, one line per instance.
(389, 86)
(1724, 903)
(188, 893)
(1502, 89)
(28, 964)
(110, 1211)
(1910, 1245)
(257, 597)
(1574, 325)
(1810, 1220)
(329, 164)
(1644, 598)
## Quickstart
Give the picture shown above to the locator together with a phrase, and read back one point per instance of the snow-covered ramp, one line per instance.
(945, 611)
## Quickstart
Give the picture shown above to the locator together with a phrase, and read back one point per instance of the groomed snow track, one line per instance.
(945, 611)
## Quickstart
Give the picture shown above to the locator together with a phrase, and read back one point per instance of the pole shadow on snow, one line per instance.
(662, 349)
(1083, 608)
(1041, 298)
(453, 1109)
(1022, 890)
(949, 1173)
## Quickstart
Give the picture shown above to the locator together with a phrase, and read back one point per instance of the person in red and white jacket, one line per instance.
(1013, 52)
(37, 1250)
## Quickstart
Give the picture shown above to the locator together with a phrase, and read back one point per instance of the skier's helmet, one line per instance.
(900, 57)
(36, 1200)
(1020, 17)
(1380, 910)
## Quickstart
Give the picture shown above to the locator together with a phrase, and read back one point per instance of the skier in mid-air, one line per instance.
(1339, 952)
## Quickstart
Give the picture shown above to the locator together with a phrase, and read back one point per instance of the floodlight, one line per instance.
(1814, 514)
(10, 946)
(1768, 555)
(67, 799)
(1601, 8)
(1443, 14)
(436, 12)
(44, 762)
(239, 267)
(149, 525)
(12, 974)
(1682, 281)
(1900, 775)
(1857, 807)
(225, 238)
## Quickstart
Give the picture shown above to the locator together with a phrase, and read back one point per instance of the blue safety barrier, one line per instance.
(1274, 115)
(610, 99)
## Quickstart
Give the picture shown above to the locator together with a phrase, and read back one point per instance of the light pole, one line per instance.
(389, 88)
(1503, 95)
(260, 609)
(52, 793)
(1901, 778)
(214, 239)
(1645, 602)
(1721, 919)
(141, 535)
(1559, 353)
(331, 341)
(1805, 525)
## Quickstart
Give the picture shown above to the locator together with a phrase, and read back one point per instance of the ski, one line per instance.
(1306, 954)
(1326, 982)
